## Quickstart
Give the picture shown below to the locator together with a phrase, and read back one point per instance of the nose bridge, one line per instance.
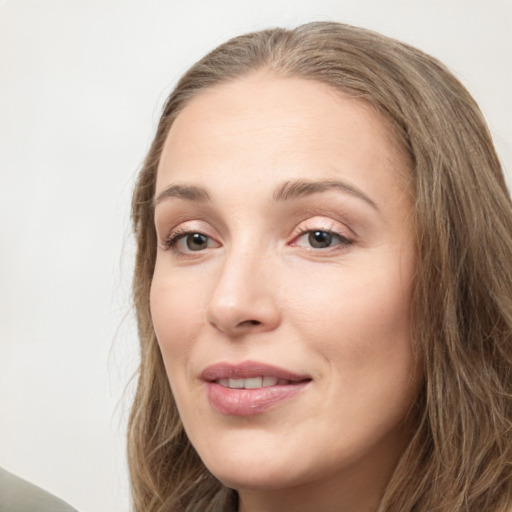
(243, 297)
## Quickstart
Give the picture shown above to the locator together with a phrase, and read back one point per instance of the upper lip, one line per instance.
(248, 369)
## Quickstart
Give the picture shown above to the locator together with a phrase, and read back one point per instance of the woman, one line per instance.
(322, 285)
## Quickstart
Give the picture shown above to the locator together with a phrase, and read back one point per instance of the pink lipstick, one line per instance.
(250, 387)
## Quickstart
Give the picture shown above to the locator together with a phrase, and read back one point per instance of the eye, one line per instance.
(320, 239)
(196, 241)
(186, 242)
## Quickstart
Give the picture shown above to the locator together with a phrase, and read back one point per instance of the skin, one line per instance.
(257, 290)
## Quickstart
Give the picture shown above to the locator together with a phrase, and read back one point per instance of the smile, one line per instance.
(250, 388)
(253, 382)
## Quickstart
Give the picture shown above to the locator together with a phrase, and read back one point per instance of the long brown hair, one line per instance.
(460, 457)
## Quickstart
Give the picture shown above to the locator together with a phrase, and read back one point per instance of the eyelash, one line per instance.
(176, 236)
(172, 240)
(343, 241)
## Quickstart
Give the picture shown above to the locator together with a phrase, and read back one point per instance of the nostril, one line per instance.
(249, 322)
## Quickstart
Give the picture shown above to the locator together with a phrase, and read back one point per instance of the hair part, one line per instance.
(460, 456)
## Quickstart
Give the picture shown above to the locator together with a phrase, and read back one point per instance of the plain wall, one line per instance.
(81, 87)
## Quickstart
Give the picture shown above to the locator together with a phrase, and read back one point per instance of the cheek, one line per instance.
(359, 325)
(359, 320)
(175, 311)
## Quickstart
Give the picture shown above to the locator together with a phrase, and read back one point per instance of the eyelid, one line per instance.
(321, 223)
(175, 234)
(339, 231)
(177, 237)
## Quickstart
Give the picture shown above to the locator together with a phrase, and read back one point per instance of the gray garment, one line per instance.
(17, 495)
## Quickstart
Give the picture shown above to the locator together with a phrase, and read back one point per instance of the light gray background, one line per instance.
(81, 85)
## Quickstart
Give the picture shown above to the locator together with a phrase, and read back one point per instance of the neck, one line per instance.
(357, 490)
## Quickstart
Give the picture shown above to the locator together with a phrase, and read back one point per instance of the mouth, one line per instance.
(250, 388)
(253, 382)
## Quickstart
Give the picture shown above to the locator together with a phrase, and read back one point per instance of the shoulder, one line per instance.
(18, 495)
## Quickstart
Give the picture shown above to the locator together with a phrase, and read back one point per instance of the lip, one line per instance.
(247, 402)
(248, 369)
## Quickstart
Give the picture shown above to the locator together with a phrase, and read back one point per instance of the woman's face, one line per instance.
(282, 286)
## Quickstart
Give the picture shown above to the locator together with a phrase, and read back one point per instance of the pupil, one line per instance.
(320, 239)
(196, 242)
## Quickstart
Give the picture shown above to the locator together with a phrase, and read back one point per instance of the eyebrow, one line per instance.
(189, 192)
(295, 189)
(285, 192)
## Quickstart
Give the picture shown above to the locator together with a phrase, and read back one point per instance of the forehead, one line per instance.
(263, 121)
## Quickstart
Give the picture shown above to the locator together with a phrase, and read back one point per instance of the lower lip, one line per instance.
(246, 402)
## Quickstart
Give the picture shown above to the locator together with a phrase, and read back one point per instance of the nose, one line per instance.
(244, 298)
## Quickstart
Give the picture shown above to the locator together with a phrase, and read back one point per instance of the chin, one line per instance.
(255, 471)
(257, 479)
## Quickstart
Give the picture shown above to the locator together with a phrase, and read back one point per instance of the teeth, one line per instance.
(269, 381)
(252, 382)
(236, 383)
